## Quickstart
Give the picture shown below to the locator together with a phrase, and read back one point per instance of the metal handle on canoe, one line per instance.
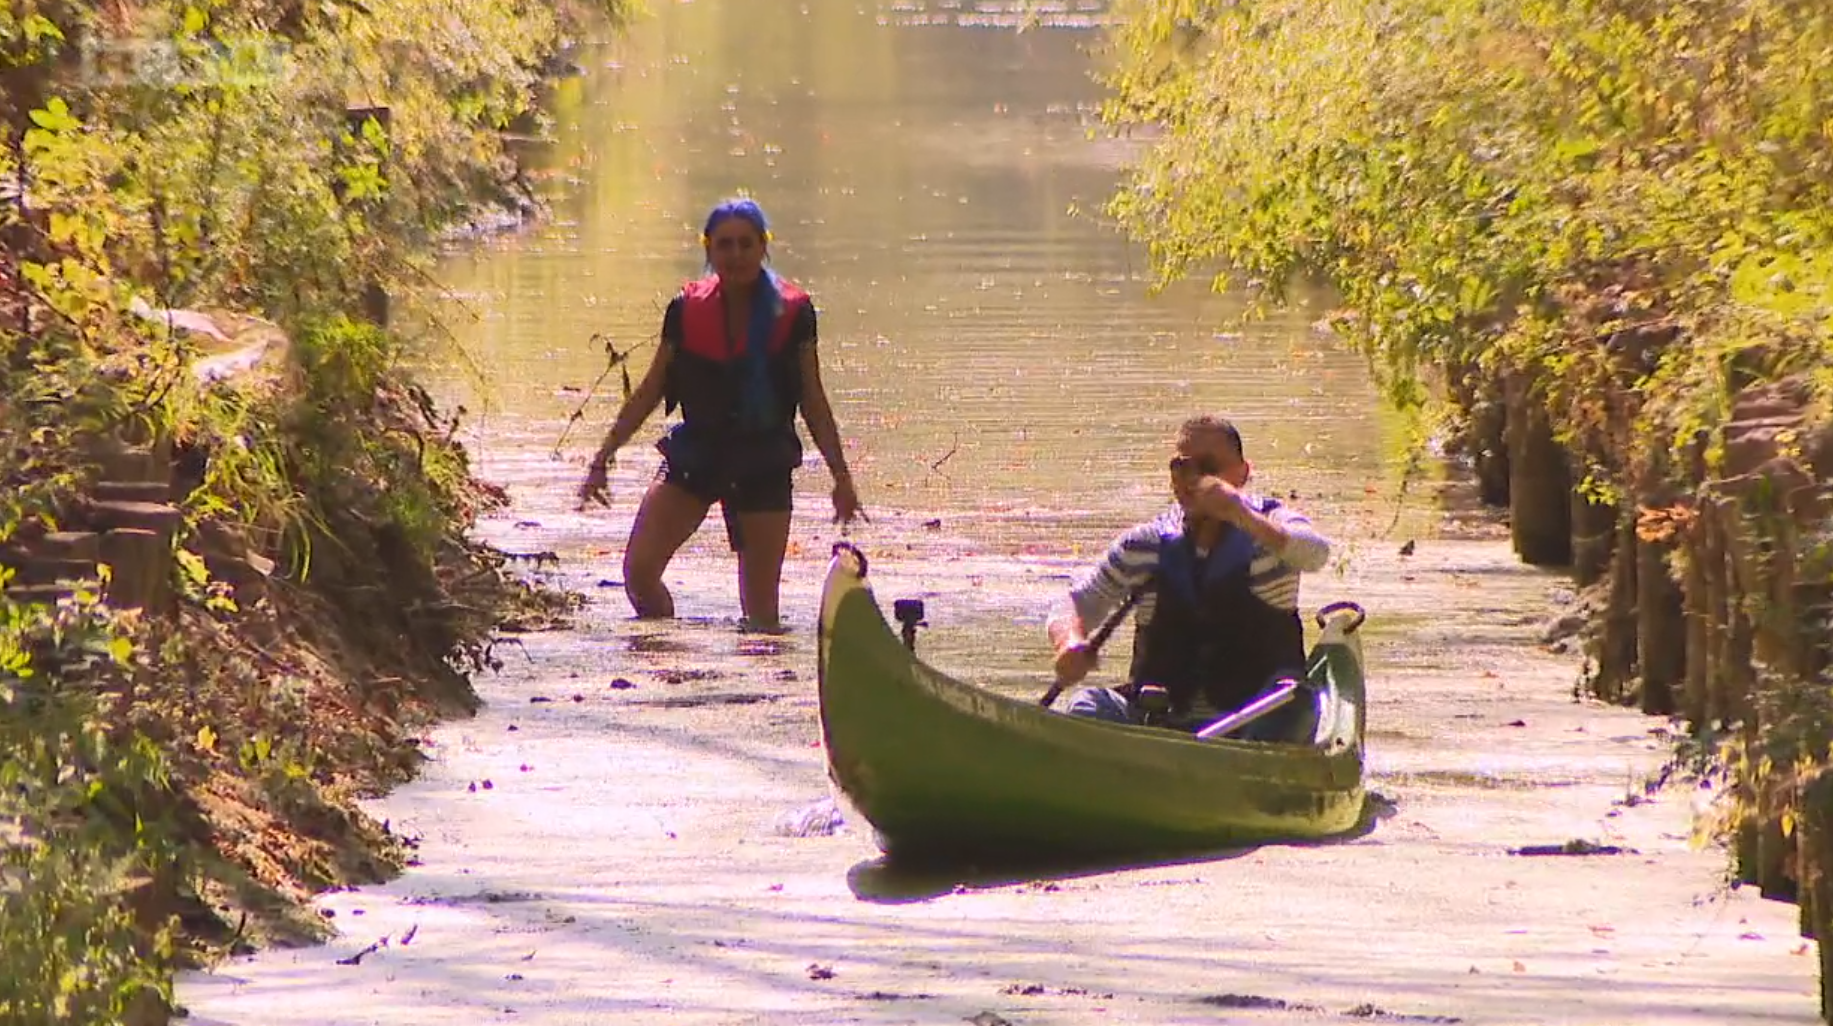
(1099, 638)
(848, 547)
(1323, 614)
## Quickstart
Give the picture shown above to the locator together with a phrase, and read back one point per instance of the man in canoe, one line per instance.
(1217, 576)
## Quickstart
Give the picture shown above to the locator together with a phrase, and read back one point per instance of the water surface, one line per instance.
(1005, 379)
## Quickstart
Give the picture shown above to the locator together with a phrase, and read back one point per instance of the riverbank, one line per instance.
(613, 838)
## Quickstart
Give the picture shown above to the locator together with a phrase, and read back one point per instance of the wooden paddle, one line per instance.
(1099, 638)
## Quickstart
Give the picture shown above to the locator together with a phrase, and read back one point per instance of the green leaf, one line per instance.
(195, 20)
(39, 29)
(55, 116)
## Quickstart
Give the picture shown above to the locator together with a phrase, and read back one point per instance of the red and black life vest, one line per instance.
(738, 406)
(706, 377)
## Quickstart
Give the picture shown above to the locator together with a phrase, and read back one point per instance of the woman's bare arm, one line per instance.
(642, 402)
(818, 414)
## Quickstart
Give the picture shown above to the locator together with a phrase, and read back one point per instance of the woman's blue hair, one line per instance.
(745, 209)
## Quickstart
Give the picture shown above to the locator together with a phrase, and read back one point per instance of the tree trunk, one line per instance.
(1594, 535)
(1616, 644)
(1540, 486)
(1661, 628)
(1814, 842)
(1488, 441)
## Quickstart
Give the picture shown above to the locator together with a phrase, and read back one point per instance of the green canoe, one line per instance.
(943, 768)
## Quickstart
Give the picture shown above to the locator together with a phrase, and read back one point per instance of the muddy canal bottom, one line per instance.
(631, 832)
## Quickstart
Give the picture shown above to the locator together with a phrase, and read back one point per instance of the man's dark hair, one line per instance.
(1209, 423)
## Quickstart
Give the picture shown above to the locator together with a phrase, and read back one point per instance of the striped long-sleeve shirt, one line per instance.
(1133, 559)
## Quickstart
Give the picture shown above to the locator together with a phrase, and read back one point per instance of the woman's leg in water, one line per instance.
(763, 540)
(668, 517)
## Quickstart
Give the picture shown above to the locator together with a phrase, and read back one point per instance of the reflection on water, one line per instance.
(1006, 385)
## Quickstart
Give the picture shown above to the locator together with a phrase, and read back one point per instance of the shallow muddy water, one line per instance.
(1005, 381)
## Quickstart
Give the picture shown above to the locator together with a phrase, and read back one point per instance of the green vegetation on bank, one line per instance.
(174, 780)
(1503, 183)
(1604, 222)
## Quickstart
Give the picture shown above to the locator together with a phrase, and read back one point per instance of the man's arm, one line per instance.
(1287, 534)
(1284, 532)
(1130, 562)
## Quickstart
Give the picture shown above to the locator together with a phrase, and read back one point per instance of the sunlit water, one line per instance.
(1006, 384)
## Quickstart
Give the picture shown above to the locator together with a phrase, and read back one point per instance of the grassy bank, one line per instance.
(207, 209)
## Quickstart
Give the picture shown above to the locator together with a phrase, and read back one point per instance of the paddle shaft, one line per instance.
(1266, 704)
(1099, 638)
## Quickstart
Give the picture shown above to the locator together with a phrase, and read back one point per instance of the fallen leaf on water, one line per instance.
(408, 937)
(488, 785)
(530, 957)
(1802, 950)
(473, 787)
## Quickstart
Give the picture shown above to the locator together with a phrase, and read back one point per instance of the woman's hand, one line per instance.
(596, 489)
(846, 501)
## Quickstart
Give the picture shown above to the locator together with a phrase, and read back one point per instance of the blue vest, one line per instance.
(1209, 633)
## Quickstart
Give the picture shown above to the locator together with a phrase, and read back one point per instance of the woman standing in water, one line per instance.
(738, 357)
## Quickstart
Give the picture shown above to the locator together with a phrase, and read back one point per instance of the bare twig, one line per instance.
(615, 360)
(163, 247)
(1415, 463)
(950, 454)
(207, 216)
